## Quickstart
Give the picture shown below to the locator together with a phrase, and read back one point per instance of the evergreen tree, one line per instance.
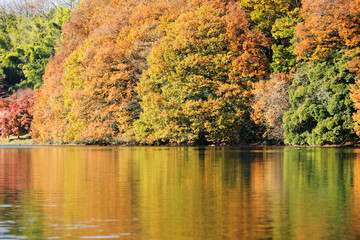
(321, 109)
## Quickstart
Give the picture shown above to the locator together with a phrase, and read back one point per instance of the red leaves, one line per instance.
(15, 116)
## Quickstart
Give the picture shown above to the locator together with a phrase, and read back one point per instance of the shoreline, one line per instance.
(26, 140)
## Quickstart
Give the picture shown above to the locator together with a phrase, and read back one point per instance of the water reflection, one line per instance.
(319, 192)
(179, 193)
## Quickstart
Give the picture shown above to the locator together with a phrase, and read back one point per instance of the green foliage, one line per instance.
(26, 43)
(264, 13)
(277, 20)
(283, 32)
(321, 108)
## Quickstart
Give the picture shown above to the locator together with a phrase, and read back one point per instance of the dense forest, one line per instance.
(182, 71)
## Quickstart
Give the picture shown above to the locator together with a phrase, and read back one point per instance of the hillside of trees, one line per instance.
(184, 72)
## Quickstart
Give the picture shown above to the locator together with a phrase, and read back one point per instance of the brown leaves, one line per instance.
(270, 102)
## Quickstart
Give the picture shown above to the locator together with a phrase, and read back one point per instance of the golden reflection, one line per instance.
(87, 192)
(14, 170)
(355, 193)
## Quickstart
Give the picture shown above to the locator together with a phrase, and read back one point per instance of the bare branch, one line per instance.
(31, 7)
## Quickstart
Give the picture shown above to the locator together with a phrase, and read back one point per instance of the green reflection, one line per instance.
(316, 198)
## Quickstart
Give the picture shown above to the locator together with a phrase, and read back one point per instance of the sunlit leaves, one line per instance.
(265, 12)
(283, 32)
(328, 26)
(191, 71)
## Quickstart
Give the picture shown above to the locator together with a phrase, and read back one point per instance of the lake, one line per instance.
(81, 192)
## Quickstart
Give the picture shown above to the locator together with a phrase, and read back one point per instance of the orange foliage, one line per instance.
(318, 34)
(349, 25)
(49, 115)
(332, 26)
(247, 44)
(328, 25)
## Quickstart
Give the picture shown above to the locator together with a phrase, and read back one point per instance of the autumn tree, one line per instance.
(191, 71)
(328, 26)
(50, 115)
(318, 35)
(350, 32)
(265, 13)
(277, 20)
(102, 57)
(197, 86)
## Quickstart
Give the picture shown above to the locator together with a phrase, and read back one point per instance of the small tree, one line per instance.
(15, 117)
(270, 102)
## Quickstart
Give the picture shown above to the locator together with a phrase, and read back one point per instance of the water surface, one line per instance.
(179, 193)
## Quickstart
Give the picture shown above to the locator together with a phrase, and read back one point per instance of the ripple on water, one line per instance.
(6, 205)
(13, 237)
(100, 237)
